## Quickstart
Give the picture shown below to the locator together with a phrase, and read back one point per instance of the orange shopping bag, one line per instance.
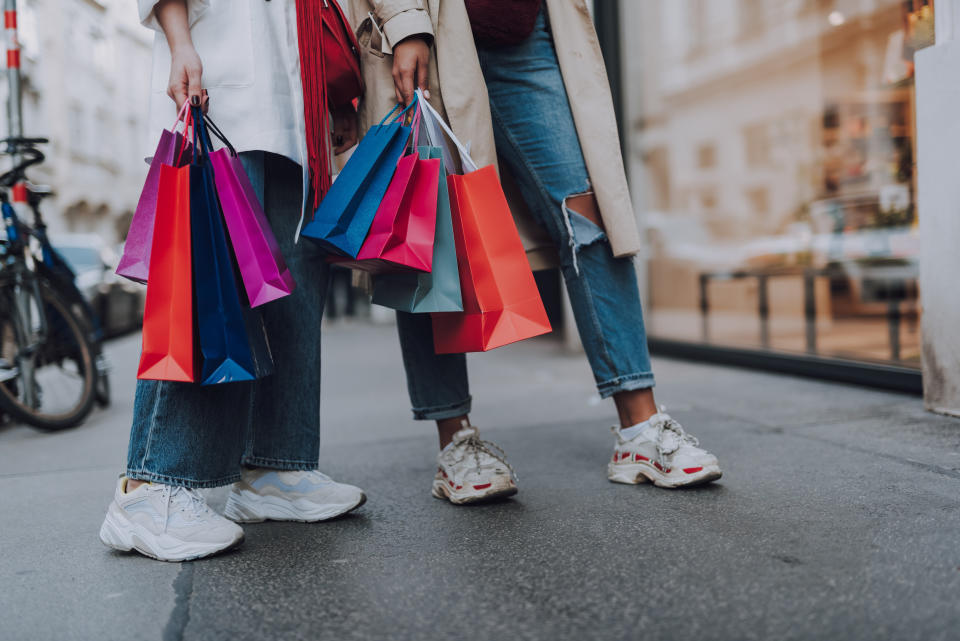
(501, 303)
(168, 348)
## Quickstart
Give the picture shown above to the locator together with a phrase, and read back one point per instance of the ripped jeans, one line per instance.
(537, 141)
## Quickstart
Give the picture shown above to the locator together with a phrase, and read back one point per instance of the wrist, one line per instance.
(181, 47)
(425, 38)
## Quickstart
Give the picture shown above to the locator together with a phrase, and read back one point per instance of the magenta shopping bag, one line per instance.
(264, 272)
(172, 150)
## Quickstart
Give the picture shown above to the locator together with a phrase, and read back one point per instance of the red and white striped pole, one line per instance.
(14, 98)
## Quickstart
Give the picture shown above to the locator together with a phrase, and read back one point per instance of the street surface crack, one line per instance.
(180, 616)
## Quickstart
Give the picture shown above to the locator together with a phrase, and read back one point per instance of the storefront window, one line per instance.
(772, 147)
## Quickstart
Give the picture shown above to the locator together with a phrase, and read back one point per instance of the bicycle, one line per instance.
(51, 364)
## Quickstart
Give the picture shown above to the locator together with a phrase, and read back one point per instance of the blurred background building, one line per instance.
(86, 74)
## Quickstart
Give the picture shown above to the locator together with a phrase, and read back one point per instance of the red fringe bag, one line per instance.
(330, 71)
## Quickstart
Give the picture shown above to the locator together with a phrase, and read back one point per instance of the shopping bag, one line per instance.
(135, 262)
(168, 331)
(501, 303)
(224, 332)
(343, 219)
(439, 289)
(403, 229)
(262, 268)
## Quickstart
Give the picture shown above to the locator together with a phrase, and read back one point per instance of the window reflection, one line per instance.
(777, 141)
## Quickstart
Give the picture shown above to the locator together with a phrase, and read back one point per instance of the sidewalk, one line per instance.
(837, 518)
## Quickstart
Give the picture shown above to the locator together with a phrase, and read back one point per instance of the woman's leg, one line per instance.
(284, 411)
(537, 141)
(437, 383)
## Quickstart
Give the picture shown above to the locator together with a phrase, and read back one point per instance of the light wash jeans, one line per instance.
(537, 140)
(202, 435)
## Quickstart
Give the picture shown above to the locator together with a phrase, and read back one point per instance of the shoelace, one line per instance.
(665, 425)
(475, 445)
(184, 498)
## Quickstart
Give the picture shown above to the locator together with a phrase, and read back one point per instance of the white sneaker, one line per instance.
(166, 523)
(471, 470)
(662, 453)
(277, 495)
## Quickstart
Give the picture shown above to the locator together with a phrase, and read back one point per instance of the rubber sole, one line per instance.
(246, 507)
(636, 473)
(121, 534)
(495, 492)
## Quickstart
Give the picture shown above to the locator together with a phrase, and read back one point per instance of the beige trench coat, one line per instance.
(457, 90)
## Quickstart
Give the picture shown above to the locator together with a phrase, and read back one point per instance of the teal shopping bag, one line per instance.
(342, 221)
(439, 289)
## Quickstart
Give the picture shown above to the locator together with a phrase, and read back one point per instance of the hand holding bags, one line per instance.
(192, 296)
(343, 219)
(135, 262)
(501, 303)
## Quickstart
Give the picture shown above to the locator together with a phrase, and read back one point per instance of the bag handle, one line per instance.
(400, 115)
(468, 164)
(201, 139)
(181, 116)
(188, 123)
(211, 126)
(415, 125)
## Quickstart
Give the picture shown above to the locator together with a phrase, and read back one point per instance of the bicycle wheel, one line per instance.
(49, 383)
(82, 311)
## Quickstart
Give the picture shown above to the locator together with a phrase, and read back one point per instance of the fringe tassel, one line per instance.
(310, 38)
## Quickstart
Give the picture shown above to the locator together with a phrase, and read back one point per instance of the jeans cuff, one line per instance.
(176, 481)
(626, 383)
(286, 465)
(440, 412)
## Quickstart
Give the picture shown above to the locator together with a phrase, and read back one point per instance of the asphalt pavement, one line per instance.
(837, 518)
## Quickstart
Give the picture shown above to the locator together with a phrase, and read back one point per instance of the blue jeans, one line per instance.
(201, 436)
(537, 141)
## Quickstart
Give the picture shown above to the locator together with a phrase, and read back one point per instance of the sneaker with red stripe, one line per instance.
(662, 453)
(470, 470)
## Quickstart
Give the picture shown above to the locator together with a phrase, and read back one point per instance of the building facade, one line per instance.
(86, 77)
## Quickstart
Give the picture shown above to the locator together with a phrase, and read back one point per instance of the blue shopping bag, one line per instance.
(439, 289)
(343, 219)
(232, 340)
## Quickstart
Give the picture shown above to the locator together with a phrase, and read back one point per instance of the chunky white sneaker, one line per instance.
(471, 470)
(277, 495)
(166, 523)
(662, 453)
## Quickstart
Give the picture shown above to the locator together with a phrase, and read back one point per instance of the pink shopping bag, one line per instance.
(135, 262)
(262, 268)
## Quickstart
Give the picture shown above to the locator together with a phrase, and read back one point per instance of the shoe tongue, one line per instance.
(669, 439)
(463, 434)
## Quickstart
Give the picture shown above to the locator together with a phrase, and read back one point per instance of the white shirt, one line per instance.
(251, 69)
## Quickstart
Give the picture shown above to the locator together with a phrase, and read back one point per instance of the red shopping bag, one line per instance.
(168, 345)
(501, 303)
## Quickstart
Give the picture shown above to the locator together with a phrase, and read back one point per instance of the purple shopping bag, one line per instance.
(262, 268)
(174, 150)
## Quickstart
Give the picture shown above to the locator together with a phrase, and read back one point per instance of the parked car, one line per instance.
(117, 301)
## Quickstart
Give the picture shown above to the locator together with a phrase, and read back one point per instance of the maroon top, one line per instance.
(498, 23)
